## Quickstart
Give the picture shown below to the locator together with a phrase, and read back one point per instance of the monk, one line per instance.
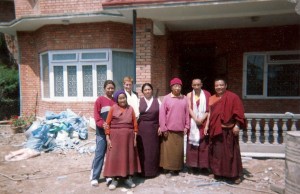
(197, 144)
(226, 117)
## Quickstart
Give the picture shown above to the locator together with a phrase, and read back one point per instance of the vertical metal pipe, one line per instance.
(134, 42)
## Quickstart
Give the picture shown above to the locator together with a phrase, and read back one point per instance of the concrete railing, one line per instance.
(265, 134)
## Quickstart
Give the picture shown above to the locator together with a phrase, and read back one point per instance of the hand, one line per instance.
(236, 130)
(105, 125)
(159, 132)
(206, 131)
(166, 133)
(199, 121)
(109, 146)
(185, 131)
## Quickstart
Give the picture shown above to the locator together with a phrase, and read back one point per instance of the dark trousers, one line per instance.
(99, 156)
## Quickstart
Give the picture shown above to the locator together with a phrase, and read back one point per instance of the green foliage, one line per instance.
(25, 120)
(9, 83)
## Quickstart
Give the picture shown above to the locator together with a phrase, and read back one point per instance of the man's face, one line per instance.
(127, 86)
(176, 89)
(197, 84)
(220, 87)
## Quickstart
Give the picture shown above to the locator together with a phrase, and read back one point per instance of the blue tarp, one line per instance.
(43, 137)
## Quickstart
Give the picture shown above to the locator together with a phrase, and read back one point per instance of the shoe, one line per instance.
(94, 183)
(237, 181)
(168, 175)
(172, 173)
(129, 182)
(108, 181)
(113, 185)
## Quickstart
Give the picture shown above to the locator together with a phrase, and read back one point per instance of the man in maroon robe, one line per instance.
(226, 117)
(197, 144)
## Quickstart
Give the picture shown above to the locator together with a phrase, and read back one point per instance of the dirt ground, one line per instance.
(58, 172)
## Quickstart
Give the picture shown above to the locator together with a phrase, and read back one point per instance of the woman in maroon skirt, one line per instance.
(148, 139)
(121, 158)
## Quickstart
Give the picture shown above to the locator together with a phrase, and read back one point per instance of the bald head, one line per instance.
(197, 85)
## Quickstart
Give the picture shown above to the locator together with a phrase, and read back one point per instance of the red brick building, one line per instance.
(66, 49)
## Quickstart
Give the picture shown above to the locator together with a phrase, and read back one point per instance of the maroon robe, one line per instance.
(197, 156)
(148, 139)
(122, 159)
(224, 151)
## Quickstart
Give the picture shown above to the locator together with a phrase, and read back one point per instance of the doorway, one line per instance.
(197, 61)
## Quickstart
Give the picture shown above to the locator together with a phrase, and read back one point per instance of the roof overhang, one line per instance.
(177, 16)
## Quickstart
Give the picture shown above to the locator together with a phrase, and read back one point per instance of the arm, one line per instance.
(135, 127)
(187, 119)
(162, 116)
(158, 130)
(190, 106)
(206, 128)
(107, 130)
(201, 120)
(97, 110)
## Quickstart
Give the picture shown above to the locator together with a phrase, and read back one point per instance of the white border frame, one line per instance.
(266, 54)
(79, 98)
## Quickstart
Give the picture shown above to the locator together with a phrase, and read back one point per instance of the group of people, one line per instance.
(143, 136)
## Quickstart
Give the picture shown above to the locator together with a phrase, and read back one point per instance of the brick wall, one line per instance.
(62, 37)
(152, 59)
(54, 7)
(157, 56)
(144, 52)
(160, 72)
(7, 11)
(232, 43)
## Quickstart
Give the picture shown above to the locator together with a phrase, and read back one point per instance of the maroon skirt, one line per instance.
(197, 156)
(122, 159)
(224, 155)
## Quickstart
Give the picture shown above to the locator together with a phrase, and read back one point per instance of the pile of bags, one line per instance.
(63, 130)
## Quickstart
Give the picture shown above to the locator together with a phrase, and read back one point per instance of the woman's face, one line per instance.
(176, 89)
(147, 91)
(122, 100)
(220, 87)
(109, 90)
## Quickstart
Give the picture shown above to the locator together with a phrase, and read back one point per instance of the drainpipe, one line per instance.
(20, 91)
(134, 42)
(19, 68)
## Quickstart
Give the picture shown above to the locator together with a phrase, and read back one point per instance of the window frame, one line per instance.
(267, 62)
(78, 63)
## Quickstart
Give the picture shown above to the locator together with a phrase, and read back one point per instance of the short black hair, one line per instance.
(146, 84)
(108, 82)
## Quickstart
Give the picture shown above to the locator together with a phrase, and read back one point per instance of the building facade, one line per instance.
(67, 49)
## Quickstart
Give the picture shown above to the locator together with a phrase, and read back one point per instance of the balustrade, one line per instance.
(265, 133)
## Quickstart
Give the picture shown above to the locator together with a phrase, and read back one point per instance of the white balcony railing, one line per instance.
(265, 134)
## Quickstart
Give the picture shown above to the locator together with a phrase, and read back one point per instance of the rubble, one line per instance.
(68, 172)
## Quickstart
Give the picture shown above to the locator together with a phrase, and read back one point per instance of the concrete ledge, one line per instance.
(277, 188)
(263, 148)
(262, 155)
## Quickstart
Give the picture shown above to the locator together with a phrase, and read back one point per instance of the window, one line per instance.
(79, 75)
(122, 66)
(271, 75)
